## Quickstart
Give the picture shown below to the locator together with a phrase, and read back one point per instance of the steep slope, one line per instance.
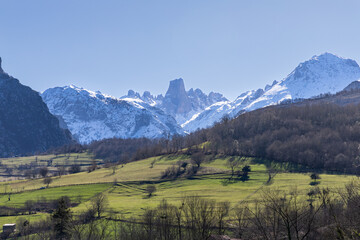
(178, 102)
(353, 86)
(217, 111)
(26, 125)
(94, 116)
(326, 73)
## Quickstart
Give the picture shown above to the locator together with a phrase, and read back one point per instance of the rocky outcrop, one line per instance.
(26, 125)
(179, 103)
(176, 101)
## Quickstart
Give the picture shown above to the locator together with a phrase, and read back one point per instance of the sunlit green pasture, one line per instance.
(125, 186)
(60, 159)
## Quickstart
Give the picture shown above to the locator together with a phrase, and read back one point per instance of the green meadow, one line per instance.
(125, 186)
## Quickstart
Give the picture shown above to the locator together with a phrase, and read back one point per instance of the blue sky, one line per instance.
(224, 46)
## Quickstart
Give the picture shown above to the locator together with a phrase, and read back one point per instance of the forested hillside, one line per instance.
(319, 134)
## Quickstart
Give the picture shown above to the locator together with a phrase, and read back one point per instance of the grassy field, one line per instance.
(59, 159)
(125, 186)
(18, 166)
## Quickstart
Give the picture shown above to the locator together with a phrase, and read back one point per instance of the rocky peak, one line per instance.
(93, 116)
(147, 94)
(176, 100)
(176, 88)
(133, 94)
(26, 125)
(325, 63)
(329, 58)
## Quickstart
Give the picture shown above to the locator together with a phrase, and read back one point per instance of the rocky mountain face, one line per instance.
(26, 125)
(326, 73)
(178, 102)
(93, 116)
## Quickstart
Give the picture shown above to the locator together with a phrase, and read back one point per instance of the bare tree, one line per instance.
(44, 171)
(61, 170)
(281, 214)
(29, 205)
(114, 167)
(197, 158)
(199, 216)
(100, 204)
(233, 164)
(47, 181)
(222, 211)
(271, 174)
(241, 217)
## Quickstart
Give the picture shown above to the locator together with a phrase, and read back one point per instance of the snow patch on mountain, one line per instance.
(93, 115)
(217, 111)
(326, 73)
(181, 104)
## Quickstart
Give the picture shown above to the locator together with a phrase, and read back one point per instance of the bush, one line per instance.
(172, 172)
(74, 168)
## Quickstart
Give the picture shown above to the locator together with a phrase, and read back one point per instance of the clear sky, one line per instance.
(223, 45)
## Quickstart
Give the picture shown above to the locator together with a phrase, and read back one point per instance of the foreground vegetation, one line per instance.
(128, 201)
(324, 214)
(317, 136)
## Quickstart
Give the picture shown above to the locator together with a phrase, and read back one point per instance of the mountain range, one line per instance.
(92, 115)
(326, 73)
(178, 102)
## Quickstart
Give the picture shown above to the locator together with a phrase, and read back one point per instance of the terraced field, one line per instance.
(125, 185)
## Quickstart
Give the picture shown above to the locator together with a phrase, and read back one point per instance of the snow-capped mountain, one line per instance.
(326, 73)
(178, 102)
(93, 116)
(217, 111)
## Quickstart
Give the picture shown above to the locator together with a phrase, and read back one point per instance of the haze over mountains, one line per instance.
(326, 73)
(94, 116)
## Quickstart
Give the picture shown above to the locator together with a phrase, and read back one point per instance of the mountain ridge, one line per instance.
(93, 116)
(178, 102)
(26, 125)
(320, 74)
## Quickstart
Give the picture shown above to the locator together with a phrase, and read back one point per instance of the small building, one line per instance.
(9, 228)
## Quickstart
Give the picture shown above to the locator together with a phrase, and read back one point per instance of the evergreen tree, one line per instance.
(61, 219)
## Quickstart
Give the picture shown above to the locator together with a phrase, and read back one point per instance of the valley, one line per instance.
(125, 186)
(179, 120)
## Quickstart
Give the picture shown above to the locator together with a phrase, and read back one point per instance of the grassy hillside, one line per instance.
(125, 186)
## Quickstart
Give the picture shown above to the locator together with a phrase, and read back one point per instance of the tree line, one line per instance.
(322, 214)
(317, 136)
